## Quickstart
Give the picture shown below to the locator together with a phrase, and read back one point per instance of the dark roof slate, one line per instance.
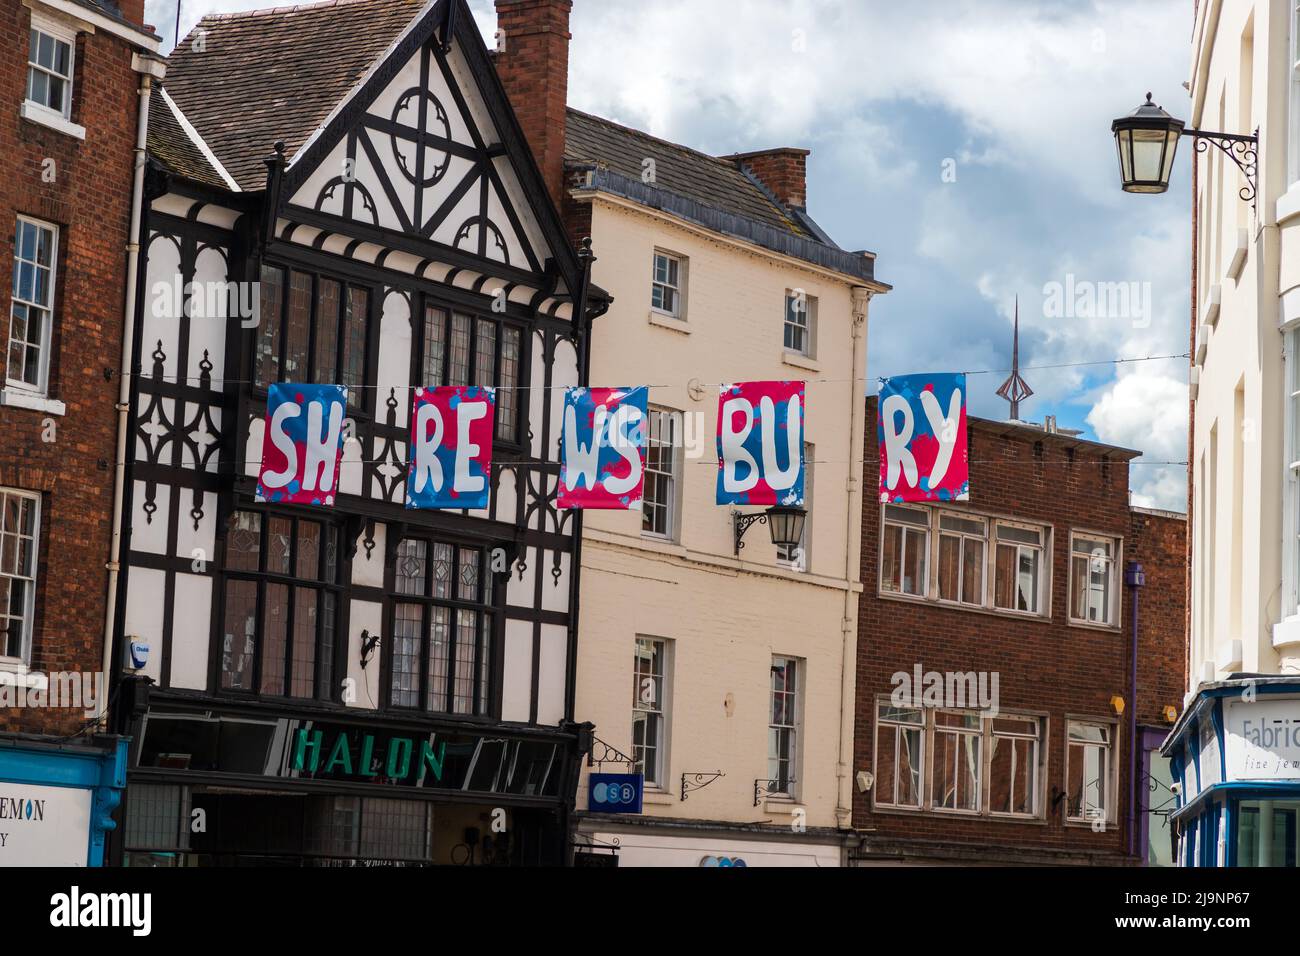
(686, 172)
(170, 145)
(277, 74)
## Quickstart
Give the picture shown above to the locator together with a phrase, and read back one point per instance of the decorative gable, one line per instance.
(425, 158)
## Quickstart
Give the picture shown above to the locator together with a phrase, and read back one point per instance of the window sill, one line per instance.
(666, 321)
(799, 360)
(17, 398)
(1288, 204)
(965, 608)
(657, 798)
(1094, 626)
(1286, 632)
(14, 673)
(781, 805)
(34, 113)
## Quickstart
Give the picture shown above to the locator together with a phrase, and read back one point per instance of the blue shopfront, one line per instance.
(1235, 762)
(57, 798)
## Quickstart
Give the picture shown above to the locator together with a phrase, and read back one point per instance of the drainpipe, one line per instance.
(1136, 579)
(852, 563)
(151, 68)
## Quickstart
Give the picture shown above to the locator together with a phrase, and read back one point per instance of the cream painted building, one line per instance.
(1244, 640)
(728, 679)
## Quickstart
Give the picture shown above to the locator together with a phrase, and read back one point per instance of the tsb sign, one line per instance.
(615, 792)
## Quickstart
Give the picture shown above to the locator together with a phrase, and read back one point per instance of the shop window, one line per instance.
(442, 626)
(1268, 833)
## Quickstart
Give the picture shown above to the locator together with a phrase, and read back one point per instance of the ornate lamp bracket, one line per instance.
(771, 788)
(698, 781)
(1242, 150)
(602, 753)
(743, 523)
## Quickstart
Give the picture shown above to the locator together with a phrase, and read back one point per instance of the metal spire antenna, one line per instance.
(1015, 389)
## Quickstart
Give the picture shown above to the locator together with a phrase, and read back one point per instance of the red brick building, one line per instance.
(995, 715)
(75, 76)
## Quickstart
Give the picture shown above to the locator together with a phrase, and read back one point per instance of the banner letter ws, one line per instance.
(921, 431)
(760, 444)
(302, 444)
(451, 448)
(603, 448)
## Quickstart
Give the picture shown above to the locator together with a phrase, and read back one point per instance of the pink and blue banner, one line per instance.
(302, 444)
(921, 429)
(760, 444)
(451, 448)
(603, 448)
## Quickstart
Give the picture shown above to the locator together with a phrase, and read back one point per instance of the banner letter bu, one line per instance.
(760, 444)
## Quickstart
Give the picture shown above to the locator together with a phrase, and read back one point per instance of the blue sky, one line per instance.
(1013, 96)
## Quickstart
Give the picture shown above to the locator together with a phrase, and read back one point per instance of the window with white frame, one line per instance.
(1013, 765)
(957, 768)
(800, 321)
(1018, 568)
(649, 708)
(662, 474)
(1088, 769)
(1291, 560)
(1093, 585)
(1293, 160)
(31, 306)
(782, 729)
(953, 753)
(797, 556)
(19, 539)
(900, 737)
(50, 52)
(666, 290)
(962, 548)
(904, 549)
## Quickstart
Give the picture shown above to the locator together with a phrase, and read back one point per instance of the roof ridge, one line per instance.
(296, 8)
(658, 139)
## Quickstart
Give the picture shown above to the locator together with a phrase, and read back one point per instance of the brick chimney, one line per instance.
(132, 10)
(533, 63)
(784, 171)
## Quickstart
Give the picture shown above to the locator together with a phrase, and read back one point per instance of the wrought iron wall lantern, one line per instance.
(698, 781)
(785, 524)
(1147, 142)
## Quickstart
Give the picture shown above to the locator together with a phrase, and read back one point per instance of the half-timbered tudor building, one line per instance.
(342, 194)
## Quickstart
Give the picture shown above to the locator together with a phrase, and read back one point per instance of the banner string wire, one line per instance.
(221, 382)
(536, 462)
